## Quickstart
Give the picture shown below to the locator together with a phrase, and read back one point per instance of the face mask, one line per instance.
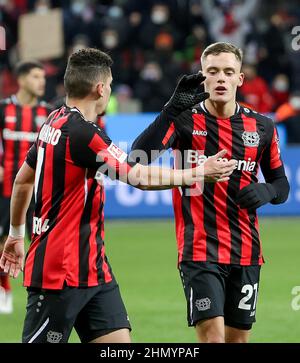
(41, 9)
(159, 17)
(281, 86)
(115, 12)
(77, 7)
(150, 75)
(110, 42)
(295, 102)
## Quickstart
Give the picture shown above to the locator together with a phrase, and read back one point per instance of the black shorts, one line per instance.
(5, 217)
(93, 312)
(213, 289)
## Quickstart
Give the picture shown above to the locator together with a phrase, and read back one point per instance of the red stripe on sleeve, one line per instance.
(169, 133)
(110, 158)
(275, 160)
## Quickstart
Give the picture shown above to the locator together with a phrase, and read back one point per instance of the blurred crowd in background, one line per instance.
(154, 42)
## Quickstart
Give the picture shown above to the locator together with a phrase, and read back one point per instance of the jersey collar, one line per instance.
(237, 108)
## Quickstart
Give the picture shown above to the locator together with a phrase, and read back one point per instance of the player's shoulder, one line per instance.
(263, 119)
(187, 116)
(83, 127)
(46, 105)
(5, 101)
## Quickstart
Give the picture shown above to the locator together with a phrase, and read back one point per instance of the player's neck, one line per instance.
(220, 110)
(87, 108)
(26, 99)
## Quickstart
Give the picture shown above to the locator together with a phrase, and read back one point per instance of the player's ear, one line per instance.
(100, 89)
(21, 80)
(241, 79)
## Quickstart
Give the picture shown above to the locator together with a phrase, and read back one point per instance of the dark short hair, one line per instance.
(85, 68)
(222, 47)
(25, 67)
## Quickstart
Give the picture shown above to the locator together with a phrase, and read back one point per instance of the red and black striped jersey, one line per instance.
(19, 126)
(211, 226)
(68, 225)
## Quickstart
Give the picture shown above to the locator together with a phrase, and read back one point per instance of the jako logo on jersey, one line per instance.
(195, 157)
(38, 226)
(200, 132)
(50, 135)
(250, 138)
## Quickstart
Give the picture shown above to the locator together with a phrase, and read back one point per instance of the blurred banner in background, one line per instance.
(123, 201)
(41, 35)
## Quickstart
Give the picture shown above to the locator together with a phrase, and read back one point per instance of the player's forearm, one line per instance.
(277, 180)
(20, 200)
(157, 178)
(282, 189)
(150, 141)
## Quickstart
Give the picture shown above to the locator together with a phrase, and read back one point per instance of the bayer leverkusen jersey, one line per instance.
(211, 226)
(68, 226)
(19, 126)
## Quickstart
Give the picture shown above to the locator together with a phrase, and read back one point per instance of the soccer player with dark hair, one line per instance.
(21, 116)
(219, 248)
(69, 279)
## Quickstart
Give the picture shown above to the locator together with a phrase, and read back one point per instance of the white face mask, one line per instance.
(150, 74)
(159, 17)
(115, 12)
(42, 9)
(110, 41)
(77, 7)
(295, 102)
(281, 85)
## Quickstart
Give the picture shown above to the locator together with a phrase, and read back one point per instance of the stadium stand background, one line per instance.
(152, 43)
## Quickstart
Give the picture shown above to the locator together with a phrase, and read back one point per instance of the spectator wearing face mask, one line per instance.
(110, 42)
(152, 87)
(160, 19)
(280, 90)
(80, 18)
(288, 114)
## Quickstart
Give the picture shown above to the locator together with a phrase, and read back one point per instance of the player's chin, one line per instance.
(221, 99)
(40, 93)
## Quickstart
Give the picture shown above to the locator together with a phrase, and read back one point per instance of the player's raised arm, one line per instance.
(161, 134)
(13, 252)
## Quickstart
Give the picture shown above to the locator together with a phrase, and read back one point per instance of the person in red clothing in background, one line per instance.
(255, 90)
(280, 90)
(289, 115)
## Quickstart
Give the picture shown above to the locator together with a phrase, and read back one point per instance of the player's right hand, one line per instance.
(217, 168)
(13, 256)
(186, 95)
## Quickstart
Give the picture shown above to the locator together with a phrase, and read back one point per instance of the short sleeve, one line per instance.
(90, 147)
(31, 157)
